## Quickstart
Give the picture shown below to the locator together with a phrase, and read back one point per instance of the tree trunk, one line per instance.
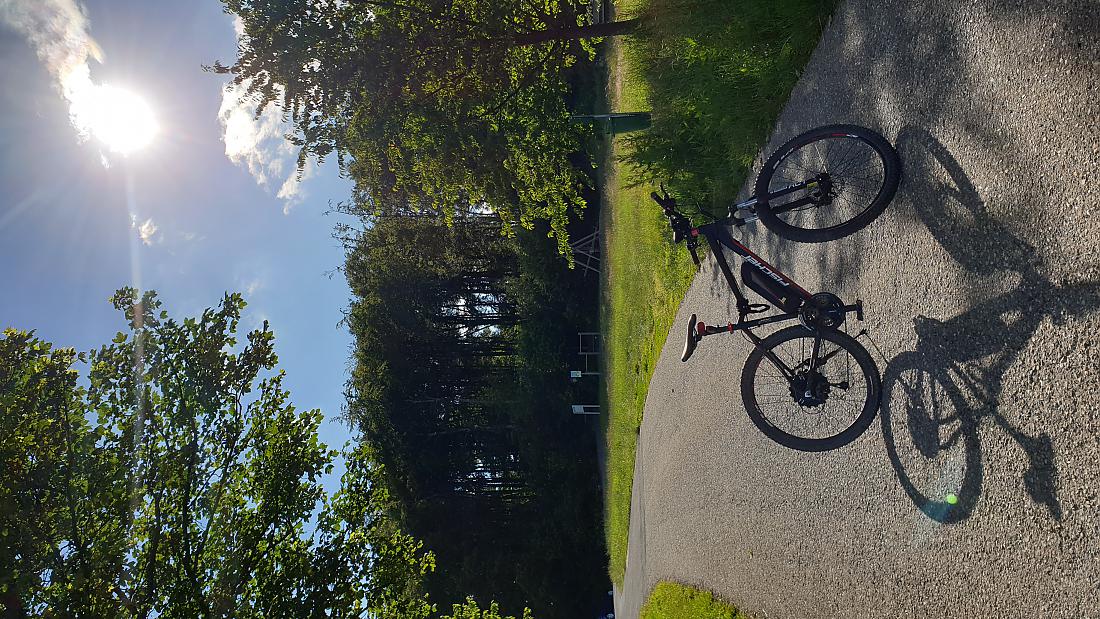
(567, 33)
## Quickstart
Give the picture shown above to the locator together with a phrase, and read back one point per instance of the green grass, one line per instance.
(670, 600)
(689, 67)
(718, 73)
(645, 278)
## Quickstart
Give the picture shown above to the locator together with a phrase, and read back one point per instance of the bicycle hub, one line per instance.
(815, 396)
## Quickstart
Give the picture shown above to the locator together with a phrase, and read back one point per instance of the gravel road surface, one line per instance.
(981, 284)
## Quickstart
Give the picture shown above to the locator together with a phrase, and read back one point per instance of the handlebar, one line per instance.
(681, 227)
(667, 202)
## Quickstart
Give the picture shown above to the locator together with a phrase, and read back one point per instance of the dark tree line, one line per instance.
(462, 340)
(443, 112)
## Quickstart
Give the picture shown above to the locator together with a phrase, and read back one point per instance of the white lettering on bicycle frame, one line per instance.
(770, 273)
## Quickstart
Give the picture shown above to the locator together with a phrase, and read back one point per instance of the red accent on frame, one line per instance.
(701, 328)
(695, 232)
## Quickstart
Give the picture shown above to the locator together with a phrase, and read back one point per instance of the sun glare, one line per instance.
(118, 118)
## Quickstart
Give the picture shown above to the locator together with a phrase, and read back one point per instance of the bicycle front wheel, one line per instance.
(852, 172)
(810, 411)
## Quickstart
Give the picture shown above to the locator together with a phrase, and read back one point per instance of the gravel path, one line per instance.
(982, 280)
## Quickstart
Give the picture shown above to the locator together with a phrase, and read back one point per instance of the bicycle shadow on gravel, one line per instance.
(937, 397)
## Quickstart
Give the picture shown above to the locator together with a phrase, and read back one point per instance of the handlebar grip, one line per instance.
(694, 256)
(667, 202)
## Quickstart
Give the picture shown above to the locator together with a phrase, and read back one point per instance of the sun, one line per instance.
(118, 118)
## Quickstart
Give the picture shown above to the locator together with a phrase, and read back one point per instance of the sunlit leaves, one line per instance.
(431, 105)
(192, 493)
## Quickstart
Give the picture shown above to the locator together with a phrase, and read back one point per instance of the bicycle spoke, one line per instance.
(778, 404)
(857, 175)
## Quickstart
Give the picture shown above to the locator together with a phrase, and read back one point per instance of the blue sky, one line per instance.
(71, 228)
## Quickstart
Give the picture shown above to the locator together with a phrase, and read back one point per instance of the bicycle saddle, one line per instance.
(692, 338)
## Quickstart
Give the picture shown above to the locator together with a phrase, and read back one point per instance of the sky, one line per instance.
(180, 216)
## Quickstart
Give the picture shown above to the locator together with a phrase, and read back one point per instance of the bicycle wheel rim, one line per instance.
(846, 412)
(857, 168)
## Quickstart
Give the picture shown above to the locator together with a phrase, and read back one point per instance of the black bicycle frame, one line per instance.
(717, 237)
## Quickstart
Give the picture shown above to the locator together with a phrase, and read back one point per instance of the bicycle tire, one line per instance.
(891, 176)
(852, 431)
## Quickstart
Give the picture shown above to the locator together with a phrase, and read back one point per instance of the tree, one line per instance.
(191, 492)
(431, 105)
(461, 346)
(47, 463)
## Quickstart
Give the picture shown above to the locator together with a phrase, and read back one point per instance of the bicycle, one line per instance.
(810, 384)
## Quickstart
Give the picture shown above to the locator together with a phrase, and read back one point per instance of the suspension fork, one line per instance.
(750, 204)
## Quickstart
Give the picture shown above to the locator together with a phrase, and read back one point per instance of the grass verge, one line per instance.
(644, 280)
(670, 600)
(714, 74)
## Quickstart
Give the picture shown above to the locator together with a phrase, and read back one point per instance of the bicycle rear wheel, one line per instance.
(855, 174)
(835, 411)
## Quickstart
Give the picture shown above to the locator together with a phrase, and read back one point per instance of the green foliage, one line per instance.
(436, 106)
(470, 610)
(459, 384)
(670, 600)
(718, 73)
(190, 493)
(39, 419)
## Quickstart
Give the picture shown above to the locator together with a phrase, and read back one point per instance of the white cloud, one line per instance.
(292, 191)
(58, 31)
(147, 230)
(259, 144)
(254, 286)
(256, 143)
